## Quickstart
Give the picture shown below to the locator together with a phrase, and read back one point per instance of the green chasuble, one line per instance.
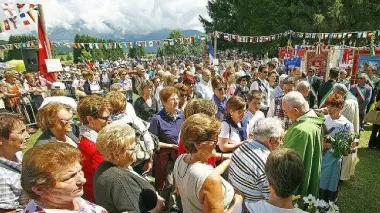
(305, 137)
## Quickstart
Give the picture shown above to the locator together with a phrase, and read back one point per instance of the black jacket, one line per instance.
(324, 89)
(315, 84)
(87, 88)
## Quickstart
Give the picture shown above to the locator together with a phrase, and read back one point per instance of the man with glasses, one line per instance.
(262, 85)
(363, 92)
(275, 108)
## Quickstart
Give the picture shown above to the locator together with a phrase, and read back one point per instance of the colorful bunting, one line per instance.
(8, 9)
(6, 25)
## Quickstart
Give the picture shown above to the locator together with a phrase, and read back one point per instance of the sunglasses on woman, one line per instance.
(221, 89)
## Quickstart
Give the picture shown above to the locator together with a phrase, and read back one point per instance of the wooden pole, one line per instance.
(43, 25)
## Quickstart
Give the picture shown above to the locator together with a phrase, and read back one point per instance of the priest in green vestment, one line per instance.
(305, 137)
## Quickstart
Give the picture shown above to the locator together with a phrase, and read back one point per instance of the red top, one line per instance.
(91, 160)
(181, 150)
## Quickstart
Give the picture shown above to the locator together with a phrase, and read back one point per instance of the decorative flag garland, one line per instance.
(110, 45)
(299, 35)
(25, 17)
(132, 44)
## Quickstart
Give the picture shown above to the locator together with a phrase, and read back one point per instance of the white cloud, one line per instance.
(127, 16)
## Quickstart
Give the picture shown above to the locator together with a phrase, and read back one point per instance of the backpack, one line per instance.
(142, 151)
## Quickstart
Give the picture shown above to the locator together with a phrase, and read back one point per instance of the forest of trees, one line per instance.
(81, 54)
(257, 17)
(180, 49)
(16, 53)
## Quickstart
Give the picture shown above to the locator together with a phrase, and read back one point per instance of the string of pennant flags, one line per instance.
(26, 17)
(110, 45)
(291, 34)
(132, 44)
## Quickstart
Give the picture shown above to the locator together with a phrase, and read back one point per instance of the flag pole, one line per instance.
(215, 42)
(43, 24)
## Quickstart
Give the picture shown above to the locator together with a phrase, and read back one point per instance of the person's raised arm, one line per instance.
(225, 146)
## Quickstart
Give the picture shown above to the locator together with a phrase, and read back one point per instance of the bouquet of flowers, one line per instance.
(314, 205)
(341, 143)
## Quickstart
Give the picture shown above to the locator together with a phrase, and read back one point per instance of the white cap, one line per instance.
(58, 86)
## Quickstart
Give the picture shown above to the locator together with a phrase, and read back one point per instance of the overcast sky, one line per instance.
(128, 16)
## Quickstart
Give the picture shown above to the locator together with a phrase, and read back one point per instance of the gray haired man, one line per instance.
(363, 92)
(247, 173)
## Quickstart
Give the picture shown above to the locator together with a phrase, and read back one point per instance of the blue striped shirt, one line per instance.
(247, 171)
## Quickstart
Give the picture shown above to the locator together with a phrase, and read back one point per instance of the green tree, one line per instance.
(69, 57)
(136, 52)
(181, 48)
(85, 56)
(255, 17)
(16, 53)
(96, 54)
(160, 52)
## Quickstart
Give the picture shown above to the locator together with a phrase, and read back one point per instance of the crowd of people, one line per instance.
(184, 137)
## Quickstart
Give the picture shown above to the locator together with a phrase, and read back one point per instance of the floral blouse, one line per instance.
(85, 207)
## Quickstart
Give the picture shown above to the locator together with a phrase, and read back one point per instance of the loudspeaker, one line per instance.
(30, 58)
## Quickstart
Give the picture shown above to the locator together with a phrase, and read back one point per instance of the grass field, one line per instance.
(361, 193)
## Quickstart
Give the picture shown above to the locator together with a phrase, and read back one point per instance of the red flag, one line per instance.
(6, 25)
(20, 6)
(42, 54)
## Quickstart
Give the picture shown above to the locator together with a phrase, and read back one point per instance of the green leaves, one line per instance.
(180, 48)
(265, 17)
(136, 52)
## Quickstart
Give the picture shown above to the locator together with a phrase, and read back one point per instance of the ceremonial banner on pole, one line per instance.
(318, 61)
(211, 54)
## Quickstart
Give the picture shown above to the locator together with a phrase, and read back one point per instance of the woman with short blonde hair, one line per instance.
(55, 121)
(116, 186)
(52, 177)
(117, 102)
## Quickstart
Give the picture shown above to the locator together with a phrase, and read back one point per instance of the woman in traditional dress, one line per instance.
(331, 164)
(12, 90)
